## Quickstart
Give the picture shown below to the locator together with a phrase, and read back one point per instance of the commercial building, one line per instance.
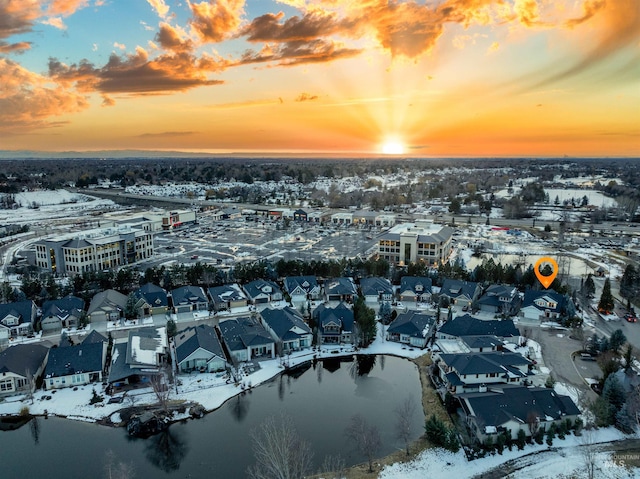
(94, 250)
(416, 242)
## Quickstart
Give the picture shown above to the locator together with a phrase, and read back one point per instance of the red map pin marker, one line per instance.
(546, 280)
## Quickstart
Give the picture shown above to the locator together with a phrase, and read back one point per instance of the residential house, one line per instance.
(340, 289)
(246, 339)
(227, 297)
(61, 313)
(544, 305)
(467, 325)
(20, 366)
(412, 328)
(287, 327)
(512, 409)
(139, 357)
(186, 299)
(376, 290)
(460, 293)
(302, 289)
(199, 349)
(468, 344)
(262, 291)
(151, 300)
(499, 299)
(94, 337)
(335, 325)
(107, 305)
(468, 372)
(415, 289)
(72, 366)
(19, 317)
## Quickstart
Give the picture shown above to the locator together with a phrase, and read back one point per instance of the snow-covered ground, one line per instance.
(564, 459)
(38, 206)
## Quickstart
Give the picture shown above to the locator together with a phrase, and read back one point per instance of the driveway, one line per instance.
(557, 347)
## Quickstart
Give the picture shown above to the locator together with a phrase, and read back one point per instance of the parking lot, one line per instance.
(228, 242)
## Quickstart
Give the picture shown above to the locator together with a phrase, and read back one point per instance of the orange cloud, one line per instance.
(65, 7)
(213, 22)
(137, 74)
(17, 16)
(18, 47)
(298, 53)
(171, 38)
(312, 25)
(617, 26)
(161, 8)
(306, 97)
(26, 100)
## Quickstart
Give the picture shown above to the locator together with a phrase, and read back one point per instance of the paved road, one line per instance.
(557, 347)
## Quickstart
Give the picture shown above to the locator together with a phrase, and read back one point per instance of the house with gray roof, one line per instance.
(287, 327)
(335, 324)
(302, 289)
(262, 291)
(227, 297)
(20, 366)
(412, 328)
(415, 289)
(467, 325)
(499, 299)
(376, 290)
(340, 289)
(61, 313)
(19, 317)
(514, 409)
(461, 293)
(186, 299)
(199, 349)
(94, 337)
(468, 372)
(139, 357)
(75, 365)
(546, 305)
(151, 300)
(246, 339)
(107, 305)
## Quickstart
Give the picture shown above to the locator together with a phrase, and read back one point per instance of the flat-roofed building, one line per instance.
(416, 242)
(94, 250)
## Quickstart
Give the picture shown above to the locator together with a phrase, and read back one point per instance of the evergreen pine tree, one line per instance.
(605, 305)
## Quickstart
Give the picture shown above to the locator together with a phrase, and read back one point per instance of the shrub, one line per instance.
(95, 398)
(521, 439)
(24, 411)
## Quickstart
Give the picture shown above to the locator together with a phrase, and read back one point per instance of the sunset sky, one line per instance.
(312, 77)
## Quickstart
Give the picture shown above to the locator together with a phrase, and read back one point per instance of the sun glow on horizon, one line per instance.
(393, 146)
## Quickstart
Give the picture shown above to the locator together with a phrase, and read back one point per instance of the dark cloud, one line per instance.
(297, 53)
(268, 27)
(17, 16)
(136, 74)
(170, 38)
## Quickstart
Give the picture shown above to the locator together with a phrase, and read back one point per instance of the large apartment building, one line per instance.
(94, 250)
(416, 242)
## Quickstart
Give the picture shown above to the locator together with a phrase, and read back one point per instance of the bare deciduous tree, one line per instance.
(333, 467)
(589, 452)
(366, 438)
(279, 451)
(115, 469)
(404, 420)
(160, 385)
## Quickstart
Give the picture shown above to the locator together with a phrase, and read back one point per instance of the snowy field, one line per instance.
(37, 206)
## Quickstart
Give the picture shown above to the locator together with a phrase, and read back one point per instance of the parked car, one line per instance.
(630, 318)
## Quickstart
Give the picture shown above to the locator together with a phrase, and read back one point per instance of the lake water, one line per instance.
(321, 401)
